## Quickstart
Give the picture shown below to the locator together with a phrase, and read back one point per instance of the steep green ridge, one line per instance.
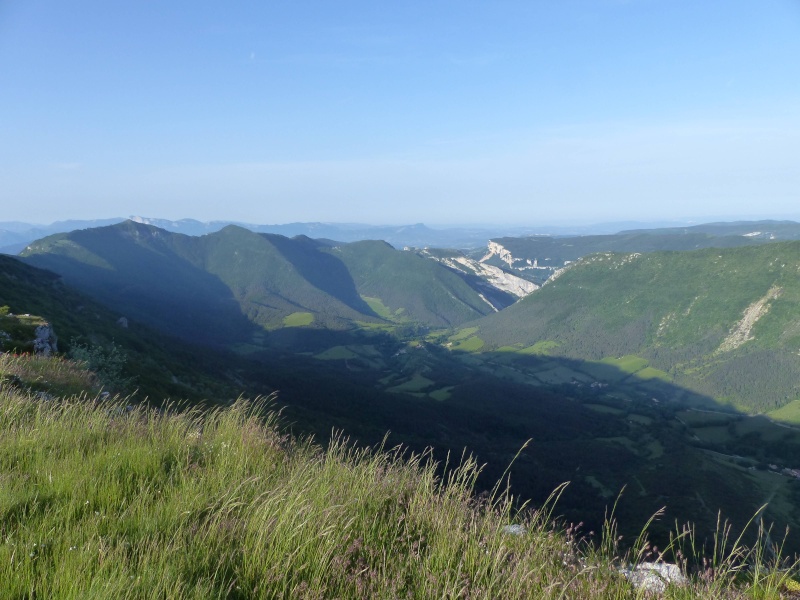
(223, 287)
(149, 275)
(411, 286)
(271, 277)
(723, 322)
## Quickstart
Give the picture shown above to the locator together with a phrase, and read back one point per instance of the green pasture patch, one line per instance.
(602, 371)
(650, 373)
(377, 327)
(703, 418)
(655, 448)
(713, 435)
(559, 374)
(379, 308)
(624, 441)
(463, 334)
(763, 426)
(442, 394)
(594, 482)
(629, 364)
(641, 419)
(540, 347)
(417, 383)
(298, 319)
(602, 408)
(245, 349)
(508, 349)
(789, 413)
(336, 353)
(472, 344)
(366, 350)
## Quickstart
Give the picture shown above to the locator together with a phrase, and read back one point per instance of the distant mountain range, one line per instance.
(15, 235)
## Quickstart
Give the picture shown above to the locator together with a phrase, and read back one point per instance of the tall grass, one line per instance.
(102, 500)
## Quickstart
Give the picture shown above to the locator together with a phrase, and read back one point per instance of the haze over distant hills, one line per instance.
(15, 235)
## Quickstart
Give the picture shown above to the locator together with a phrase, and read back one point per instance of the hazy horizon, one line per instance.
(658, 223)
(585, 111)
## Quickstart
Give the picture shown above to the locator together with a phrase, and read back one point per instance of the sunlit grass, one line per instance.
(54, 375)
(102, 499)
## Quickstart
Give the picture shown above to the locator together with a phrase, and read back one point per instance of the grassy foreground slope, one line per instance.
(723, 322)
(101, 500)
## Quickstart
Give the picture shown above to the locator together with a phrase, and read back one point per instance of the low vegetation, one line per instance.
(100, 498)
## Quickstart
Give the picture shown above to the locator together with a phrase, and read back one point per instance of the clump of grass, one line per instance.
(55, 376)
(103, 499)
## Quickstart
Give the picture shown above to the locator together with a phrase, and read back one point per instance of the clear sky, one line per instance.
(529, 112)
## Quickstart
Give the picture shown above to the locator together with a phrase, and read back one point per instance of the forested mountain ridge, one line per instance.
(236, 282)
(725, 322)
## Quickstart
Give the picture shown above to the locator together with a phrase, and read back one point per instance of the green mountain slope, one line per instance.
(724, 322)
(227, 286)
(412, 287)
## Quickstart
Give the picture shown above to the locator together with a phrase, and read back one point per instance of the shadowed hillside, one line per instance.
(226, 286)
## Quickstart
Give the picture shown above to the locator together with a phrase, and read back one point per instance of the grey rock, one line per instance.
(518, 530)
(46, 341)
(654, 577)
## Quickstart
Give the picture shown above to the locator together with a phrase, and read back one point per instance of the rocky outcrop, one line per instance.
(46, 341)
(493, 276)
(654, 577)
(741, 333)
(495, 249)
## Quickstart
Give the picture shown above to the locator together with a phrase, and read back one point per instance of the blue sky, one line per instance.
(534, 112)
